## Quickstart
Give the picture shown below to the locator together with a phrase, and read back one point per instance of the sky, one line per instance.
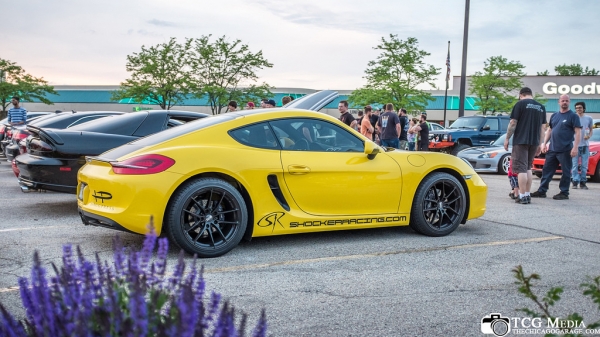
(323, 44)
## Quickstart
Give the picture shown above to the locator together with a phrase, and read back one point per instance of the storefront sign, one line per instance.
(551, 88)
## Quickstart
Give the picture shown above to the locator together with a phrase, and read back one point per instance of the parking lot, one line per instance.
(377, 282)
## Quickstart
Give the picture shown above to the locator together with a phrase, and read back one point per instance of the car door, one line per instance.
(328, 173)
(489, 131)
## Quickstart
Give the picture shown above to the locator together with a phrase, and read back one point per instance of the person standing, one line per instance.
(412, 134)
(346, 117)
(285, 100)
(17, 115)
(232, 106)
(359, 117)
(249, 105)
(583, 151)
(366, 128)
(403, 140)
(270, 104)
(564, 127)
(374, 120)
(527, 121)
(423, 129)
(389, 127)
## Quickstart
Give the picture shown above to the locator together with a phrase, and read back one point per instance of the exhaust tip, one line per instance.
(26, 189)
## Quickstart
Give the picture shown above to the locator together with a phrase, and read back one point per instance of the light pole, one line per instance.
(463, 71)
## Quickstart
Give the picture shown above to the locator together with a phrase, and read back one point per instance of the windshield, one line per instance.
(500, 141)
(595, 136)
(467, 123)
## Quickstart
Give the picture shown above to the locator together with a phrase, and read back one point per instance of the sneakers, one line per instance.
(583, 186)
(575, 185)
(512, 196)
(560, 196)
(538, 194)
(523, 201)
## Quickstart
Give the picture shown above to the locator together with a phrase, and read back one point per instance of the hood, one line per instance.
(483, 149)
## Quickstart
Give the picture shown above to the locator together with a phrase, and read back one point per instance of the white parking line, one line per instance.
(360, 256)
(28, 228)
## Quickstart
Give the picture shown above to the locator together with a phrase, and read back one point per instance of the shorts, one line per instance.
(514, 182)
(522, 157)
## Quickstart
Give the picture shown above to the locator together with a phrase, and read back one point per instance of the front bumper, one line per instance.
(477, 196)
(482, 164)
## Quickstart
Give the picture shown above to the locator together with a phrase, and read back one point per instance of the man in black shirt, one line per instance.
(527, 121)
(374, 119)
(403, 128)
(346, 117)
(423, 129)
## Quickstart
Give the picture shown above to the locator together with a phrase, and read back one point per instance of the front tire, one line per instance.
(504, 164)
(596, 177)
(439, 205)
(206, 217)
(459, 148)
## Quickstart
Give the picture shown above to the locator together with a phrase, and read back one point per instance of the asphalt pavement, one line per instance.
(375, 282)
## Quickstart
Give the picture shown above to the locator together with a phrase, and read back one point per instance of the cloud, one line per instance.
(162, 23)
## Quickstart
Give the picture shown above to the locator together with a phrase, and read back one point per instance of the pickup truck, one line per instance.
(467, 132)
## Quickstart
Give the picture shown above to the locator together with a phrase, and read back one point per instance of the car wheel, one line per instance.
(459, 148)
(596, 177)
(207, 217)
(504, 164)
(439, 205)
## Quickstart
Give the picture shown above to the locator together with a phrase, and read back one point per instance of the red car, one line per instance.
(593, 165)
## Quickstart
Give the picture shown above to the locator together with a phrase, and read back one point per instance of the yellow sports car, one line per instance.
(213, 182)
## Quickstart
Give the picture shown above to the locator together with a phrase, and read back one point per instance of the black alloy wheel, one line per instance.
(439, 205)
(207, 217)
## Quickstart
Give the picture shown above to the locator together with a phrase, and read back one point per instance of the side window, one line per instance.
(85, 119)
(504, 122)
(256, 135)
(492, 123)
(305, 134)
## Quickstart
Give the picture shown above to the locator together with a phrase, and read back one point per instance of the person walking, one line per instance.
(583, 151)
(366, 128)
(17, 115)
(402, 139)
(527, 121)
(389, 127)
(564, 127)
(346, 117)
(423, 129)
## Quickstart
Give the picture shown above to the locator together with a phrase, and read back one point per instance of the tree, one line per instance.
(543, 73)
(14, 81)
(574, 70)
(222, 71)
(494, 87)
(394, 76)
(159, 75)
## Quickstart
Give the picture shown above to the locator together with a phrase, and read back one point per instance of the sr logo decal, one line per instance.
(271, 220)
(101, 196)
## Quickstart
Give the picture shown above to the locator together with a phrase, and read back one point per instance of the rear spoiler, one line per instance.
(46, 133)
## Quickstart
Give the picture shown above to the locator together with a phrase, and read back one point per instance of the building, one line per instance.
(580, 88)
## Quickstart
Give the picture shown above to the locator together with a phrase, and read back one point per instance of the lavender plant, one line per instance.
(133, 296)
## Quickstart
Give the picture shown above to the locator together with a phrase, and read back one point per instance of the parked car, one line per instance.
(61, 120)
(6, 128)
(593, 168)
(489, 158)
(212, 182)
(468, 131)
(54, 156)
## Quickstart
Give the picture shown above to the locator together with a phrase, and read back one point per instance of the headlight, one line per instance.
(488, 155)
(593, 153)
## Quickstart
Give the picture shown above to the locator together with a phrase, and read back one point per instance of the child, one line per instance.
(513, 178)
(412, 134)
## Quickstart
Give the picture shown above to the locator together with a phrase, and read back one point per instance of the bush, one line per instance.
(131, 296)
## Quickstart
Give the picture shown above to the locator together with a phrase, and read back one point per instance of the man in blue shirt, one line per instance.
(17, 115)
(564, 135)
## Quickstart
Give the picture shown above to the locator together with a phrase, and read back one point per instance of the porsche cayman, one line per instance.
(213, 182)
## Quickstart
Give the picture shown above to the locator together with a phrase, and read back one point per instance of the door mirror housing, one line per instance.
(371, 149)
(485, 127)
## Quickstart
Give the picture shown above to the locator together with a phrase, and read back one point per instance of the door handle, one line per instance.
(298, 169)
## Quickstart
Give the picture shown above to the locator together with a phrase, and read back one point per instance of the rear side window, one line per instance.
(256, 135)
(504, 122)
(117, 125)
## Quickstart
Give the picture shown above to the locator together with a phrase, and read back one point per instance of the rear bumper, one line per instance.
(90, 219)
(48, 173)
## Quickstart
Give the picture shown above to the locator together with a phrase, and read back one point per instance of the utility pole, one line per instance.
(463, 71)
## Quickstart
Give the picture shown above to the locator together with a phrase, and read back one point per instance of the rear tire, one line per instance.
(596, 177)
(206, 217)
(439, 205)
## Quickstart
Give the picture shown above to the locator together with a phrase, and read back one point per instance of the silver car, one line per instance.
(489, 158)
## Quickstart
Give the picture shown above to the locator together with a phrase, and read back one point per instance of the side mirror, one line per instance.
(371, 149)
(486, 127)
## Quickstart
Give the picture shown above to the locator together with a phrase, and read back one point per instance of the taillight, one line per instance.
(145, 164)
(37, 144)
(2, 129)
(20, 134)
(8, 133)
(23, 146)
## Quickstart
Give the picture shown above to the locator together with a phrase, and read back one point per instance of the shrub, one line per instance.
(131, 296)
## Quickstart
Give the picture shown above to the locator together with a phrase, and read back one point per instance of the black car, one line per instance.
(6, 129)
(54, 156)
(62, 120)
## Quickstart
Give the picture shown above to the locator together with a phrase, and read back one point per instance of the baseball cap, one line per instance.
(271, 102)
(251, 104)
